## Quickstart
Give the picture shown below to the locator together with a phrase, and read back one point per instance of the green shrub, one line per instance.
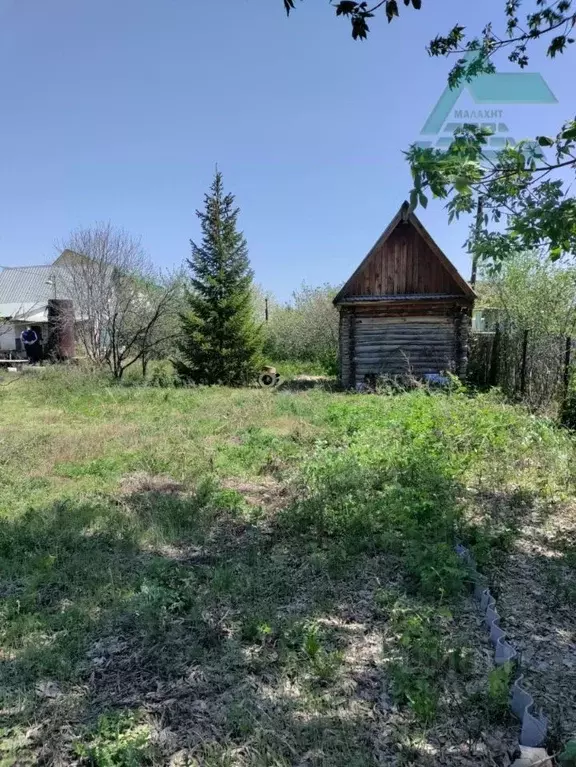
(163, 375)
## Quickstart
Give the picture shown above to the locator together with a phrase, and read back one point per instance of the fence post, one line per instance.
(567, 354)
(495, 358)
(523, 365)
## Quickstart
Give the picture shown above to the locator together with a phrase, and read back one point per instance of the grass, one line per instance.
(242, 577)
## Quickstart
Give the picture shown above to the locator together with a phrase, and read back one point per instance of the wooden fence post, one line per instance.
(523, 364)
(567, 354)
(493, 373)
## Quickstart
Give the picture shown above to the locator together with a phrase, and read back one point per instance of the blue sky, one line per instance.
(119, 109)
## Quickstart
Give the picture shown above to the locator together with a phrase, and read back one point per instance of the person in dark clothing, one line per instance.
(31, 345)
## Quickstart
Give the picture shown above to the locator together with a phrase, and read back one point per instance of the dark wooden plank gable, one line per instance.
(405, 261)
(404, 264)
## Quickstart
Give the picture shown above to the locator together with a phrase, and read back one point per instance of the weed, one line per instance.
(499, 681)
(311, 643)
(119, 740)
(419, 692)
(426, 655)
(324, 663)
(256, 629)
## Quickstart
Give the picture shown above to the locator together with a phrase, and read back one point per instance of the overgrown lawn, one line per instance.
(242, 577)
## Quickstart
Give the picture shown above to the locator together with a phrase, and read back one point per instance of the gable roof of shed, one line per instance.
(407, 215)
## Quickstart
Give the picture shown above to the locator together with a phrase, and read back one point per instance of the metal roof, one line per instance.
(25, 287)
(27, 311)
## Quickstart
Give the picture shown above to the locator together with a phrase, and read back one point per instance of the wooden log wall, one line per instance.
(404, 346)
(399, 341)
(344, 350)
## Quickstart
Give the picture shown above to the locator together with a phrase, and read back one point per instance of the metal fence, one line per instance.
(526, 365)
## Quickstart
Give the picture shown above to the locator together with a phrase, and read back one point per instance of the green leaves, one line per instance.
(568, 757)
(521, 196)
(360, 12)
(417, 197)
(558, 44)
(391, 9)
(346, 7)
(441, 46)
(552, 15)
(569, 131)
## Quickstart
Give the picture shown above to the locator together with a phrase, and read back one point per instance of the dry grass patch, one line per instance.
(267, 493)
(143, 482)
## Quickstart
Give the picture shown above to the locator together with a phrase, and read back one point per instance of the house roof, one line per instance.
(407, 215)
(401, 298)
(26, 289)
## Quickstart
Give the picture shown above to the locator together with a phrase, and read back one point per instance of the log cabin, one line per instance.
(405, 311)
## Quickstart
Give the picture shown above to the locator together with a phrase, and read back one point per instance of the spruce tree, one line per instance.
(221, 341)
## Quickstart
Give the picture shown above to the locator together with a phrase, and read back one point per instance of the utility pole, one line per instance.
(477, 230)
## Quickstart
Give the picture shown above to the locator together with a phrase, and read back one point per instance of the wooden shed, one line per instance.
(406, 310)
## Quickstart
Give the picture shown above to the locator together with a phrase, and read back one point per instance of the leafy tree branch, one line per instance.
(359, 13)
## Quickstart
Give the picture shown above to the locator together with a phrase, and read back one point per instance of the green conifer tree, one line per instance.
(221, 340)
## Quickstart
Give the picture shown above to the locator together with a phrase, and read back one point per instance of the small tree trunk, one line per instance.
(144, 365)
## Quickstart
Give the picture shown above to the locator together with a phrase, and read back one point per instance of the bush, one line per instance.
(305, 329)
(427, 654)
(163, 375)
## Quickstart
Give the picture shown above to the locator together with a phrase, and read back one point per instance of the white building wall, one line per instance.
(7, 337)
